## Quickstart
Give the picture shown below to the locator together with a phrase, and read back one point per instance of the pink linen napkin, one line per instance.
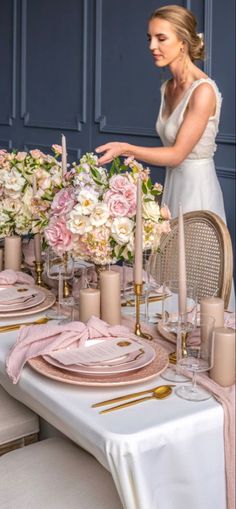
(10, 277)
(37, 340)
(224, 395)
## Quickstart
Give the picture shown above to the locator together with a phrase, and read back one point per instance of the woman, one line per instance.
(188, 118)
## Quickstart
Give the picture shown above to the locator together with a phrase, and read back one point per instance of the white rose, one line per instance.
(100, 214)
(151, 210)
(121, 230)
(87, 200)
(78, 223)
(13, 180)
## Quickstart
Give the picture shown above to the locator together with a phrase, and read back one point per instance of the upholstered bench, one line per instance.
(19, 426)
(55, 474)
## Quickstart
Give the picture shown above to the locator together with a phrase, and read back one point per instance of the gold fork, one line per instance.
(15, 326)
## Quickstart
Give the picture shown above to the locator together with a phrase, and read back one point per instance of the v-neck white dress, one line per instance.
(194, 182)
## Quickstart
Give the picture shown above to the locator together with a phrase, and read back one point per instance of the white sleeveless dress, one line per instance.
(194, 182)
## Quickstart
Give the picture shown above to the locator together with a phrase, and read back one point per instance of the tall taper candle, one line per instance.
(181, 264)
(138, 249)
(37, 236)
(1, 259)
(63, 155)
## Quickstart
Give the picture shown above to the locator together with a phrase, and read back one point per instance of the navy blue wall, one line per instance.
(83, 67)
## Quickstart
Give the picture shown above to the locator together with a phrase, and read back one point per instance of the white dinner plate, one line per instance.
(124, 364)
(37, 297)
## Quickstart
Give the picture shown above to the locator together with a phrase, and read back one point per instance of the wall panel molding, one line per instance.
(12, 114)
(100, 116)
(208, 35)
(227, 173)
(80, 117)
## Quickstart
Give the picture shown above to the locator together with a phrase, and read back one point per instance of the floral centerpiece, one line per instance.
(94, 216)
(18, 205)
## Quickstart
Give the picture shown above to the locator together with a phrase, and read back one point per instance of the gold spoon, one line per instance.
(15, 326)
(130, 395)
(161, 392)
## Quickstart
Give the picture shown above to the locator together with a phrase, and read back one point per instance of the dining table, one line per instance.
(162, 454)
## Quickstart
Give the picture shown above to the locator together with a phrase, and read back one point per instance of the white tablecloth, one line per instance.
(165, 454)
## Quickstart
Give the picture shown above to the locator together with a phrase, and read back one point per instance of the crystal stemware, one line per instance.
(179, 324)
(198, 357)
(60, 268)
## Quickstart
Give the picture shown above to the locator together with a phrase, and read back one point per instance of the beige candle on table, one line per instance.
(12, 253)
(213, 306)
(63, 155)
(138, 248)
(1, 259)
(37, 236)
(223, 370)
(110, 297)
(181, 264)
(89, 303)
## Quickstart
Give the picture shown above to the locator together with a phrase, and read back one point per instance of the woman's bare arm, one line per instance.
(201, 106)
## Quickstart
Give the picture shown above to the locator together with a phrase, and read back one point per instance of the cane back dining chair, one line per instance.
(209, 258)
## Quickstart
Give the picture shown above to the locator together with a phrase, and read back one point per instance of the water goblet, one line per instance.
(71, 301)
(179, 324)
(60, 268)
(198, 357)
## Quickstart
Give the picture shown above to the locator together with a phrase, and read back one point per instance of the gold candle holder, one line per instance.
(138, 292)
(38, 273)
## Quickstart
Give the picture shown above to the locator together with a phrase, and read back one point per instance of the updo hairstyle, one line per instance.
(184, 24)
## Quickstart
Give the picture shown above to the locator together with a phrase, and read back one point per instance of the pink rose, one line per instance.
(118, 183)
(58, 236)
(164, 227)
(118, 205)
(57, 148)
(63, 202)
(130, 194)
(20, 156)
(165, 212)
(36, 154)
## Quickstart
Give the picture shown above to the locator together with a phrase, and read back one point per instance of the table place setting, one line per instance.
(19, 296)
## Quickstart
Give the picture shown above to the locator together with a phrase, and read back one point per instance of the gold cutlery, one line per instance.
(154, 298)
(15, 326)
(159, 388)
(161, 392)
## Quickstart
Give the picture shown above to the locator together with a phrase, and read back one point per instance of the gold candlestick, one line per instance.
(138, 292)
(38, 273)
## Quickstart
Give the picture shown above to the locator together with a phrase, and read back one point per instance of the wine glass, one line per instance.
(71, 301)
(153, 290)
(181, 324)
(60, 268)
(198, 357)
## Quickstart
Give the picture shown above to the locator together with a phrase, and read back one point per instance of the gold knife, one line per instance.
(127, 396)
(16, 326)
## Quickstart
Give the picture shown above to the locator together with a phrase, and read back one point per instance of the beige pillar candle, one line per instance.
(1, 259)
(63, 155)
(138, 248)
(213, 306)
(110, 297)
(223, 371)
(181, 264)
(37, 236)
(12, 253)
(89, 304)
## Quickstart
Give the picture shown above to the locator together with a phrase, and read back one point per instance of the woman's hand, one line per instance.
(111, 151)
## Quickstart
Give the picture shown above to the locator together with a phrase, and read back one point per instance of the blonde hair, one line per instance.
(184, 24)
